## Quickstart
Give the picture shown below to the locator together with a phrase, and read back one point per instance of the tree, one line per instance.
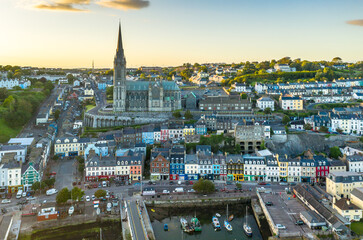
(9, 102)
(177, 114)
(70, 78)
(36, 186)
(285, 119)
(4, 93)
(244, 96)
(77, 194)
(267, 110)
(188, 115)
(335, 152)
(307, 126)
(43, 185)
(204, 186)
(100, 193)
(56, 114)
(63, 196)
(323, 129)
(49, 182)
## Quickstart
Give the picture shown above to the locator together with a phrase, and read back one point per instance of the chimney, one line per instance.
(334, 200)
(348, 202)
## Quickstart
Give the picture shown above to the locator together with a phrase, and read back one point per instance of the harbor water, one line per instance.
(171, 216)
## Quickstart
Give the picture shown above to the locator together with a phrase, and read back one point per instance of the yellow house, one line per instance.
(289, 102)
(341, 184)
(283, 167)
(356, 197)
(347, 209)
(188, 130)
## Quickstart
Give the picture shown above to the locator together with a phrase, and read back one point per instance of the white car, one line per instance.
(88, 199)
(93, 197)
(166, 192)
(280, 226)
(31, 198)
(24, 194)
(191, 190)
(283, 183)
(6, 201)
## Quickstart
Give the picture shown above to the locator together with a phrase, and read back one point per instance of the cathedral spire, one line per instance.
(119, 41)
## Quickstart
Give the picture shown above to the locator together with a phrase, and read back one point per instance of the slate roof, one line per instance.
(144, 85)
(358, 192)
(344, 205)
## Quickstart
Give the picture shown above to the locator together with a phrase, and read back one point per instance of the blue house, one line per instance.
(177, 167)
(148, 135)
(99, 148)
(201, 127)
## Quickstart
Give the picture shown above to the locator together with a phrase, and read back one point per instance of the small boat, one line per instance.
(231, 217)
(195, 224)
(166, 228)
(216, 224)
(218, 215)
(71, 210)
(185, 225)
(227, 225)
(246, 228)
(152, 210)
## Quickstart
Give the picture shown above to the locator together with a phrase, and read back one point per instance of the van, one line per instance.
(51, 191)
(19, 194)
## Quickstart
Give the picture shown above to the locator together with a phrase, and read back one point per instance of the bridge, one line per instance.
(137, 227)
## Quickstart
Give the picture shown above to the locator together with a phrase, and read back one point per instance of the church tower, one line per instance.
(119, 77)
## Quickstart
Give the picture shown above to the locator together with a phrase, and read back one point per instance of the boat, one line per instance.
(195, 224)
(216, 224)
(218, 215)
(231, 217)
(185, 225)
(246, 228)
(227, 225)
(166, 228)
(71, 210)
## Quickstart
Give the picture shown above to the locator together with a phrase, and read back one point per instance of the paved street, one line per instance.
(136, 225)
(66, 170)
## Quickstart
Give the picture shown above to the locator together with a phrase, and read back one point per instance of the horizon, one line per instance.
(70, 34)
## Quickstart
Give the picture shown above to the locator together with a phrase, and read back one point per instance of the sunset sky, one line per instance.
(72, 33)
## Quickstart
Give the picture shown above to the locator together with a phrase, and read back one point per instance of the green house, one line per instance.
(29, 175)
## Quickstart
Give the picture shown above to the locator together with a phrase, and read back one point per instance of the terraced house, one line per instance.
(70, 146)
(254, 168)
(29, 175)
(235, 167)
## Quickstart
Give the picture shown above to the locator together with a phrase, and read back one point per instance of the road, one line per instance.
(135, 221)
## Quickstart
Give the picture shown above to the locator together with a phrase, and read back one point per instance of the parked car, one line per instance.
(115, 202)
(93, 197)
(166, 191)
(31, 198)
(269, 203)
(171, 182)
(51, 191)
(262, 183)
(88, 199)
(280, 226)
(191, 191)
(283, 183)
(299, 222)
(24, 194)
(109, 207)
(6, 201)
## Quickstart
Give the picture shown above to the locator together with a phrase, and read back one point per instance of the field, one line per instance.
(7, 132)
(357, 227)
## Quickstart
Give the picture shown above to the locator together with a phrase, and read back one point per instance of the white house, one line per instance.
(19, 150)
(265, 102)
(284, 68)
(355, 163)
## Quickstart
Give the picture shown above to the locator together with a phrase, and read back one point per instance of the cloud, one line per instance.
(125, 4)
(63, 5)
(358, 22)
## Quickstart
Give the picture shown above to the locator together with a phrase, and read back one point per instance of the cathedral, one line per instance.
(141, 96)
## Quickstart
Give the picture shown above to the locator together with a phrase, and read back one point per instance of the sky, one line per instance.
(73, 33)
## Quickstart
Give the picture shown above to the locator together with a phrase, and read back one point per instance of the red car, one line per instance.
(261, 183)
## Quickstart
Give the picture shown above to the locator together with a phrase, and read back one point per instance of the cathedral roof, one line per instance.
(144, 85)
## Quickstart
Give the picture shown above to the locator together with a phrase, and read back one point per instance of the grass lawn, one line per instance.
(109, 101)
(357, 227)
(89, 107)
(7, 132)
